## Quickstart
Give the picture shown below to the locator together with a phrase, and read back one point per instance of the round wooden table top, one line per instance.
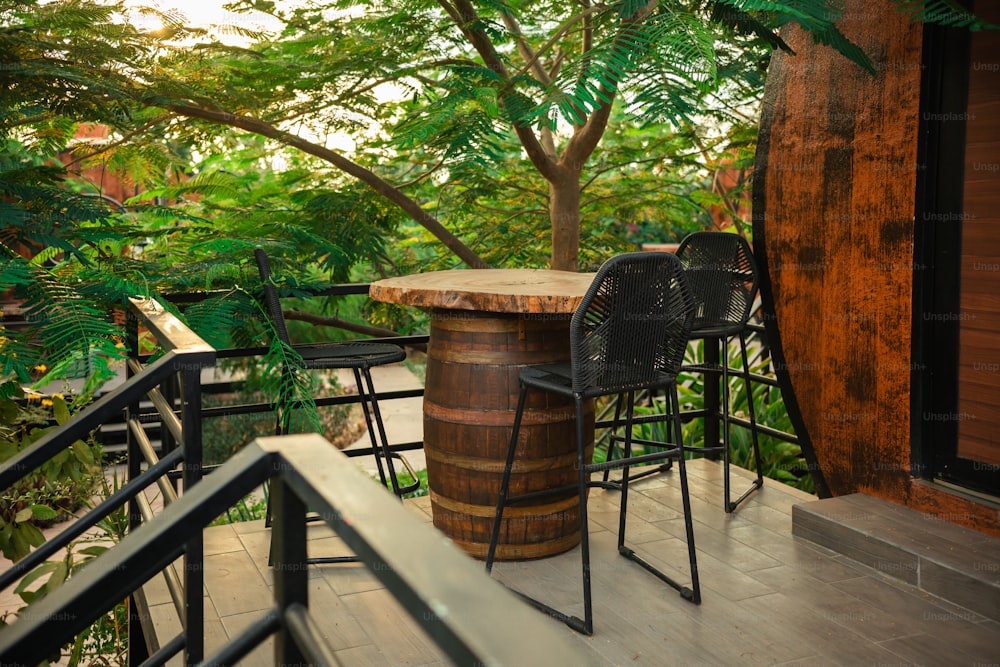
(488, 290)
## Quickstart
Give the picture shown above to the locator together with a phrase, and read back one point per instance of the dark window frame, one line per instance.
(937, 259)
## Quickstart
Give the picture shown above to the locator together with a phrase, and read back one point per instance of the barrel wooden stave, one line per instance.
(469, 407)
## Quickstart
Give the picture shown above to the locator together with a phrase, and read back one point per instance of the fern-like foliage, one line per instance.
(70, 335)
(50, 237)
(460, 119)
(37, 78)
(237, 203)
(817, 17)
(231, 319)
(290, 388)
(948, 13)
(671, 49)
(236, 318)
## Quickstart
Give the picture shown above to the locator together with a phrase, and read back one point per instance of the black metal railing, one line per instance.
(473, 619)
(711, 369)
(160, 405)
(176, 403)
(183, 356)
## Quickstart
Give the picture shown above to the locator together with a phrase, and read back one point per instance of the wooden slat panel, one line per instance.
(981, 339)
(979, 391)
(981, 373)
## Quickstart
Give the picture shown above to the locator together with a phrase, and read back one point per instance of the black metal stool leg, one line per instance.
(751, 409)
(612, 447)
(758, 483)
(587, 627)
(380, 449)
(366, 393)
(505, 481)
(724, 353)
(694, 593)
(623, 507)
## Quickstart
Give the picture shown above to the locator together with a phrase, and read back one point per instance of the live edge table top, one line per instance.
(487, 290)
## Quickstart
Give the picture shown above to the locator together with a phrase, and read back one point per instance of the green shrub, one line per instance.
(56, 489)
(249, 508)
(404, 478)
(106, 640)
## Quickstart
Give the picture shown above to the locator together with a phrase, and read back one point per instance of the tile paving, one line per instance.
(769, 598)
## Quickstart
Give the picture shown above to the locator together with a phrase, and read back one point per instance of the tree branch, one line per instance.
(525, 49)
(353, 327)
(372, 180)
(29, 120)
(587, 136)
(465, 16)
(424, 176)
(588, 30)
(559, 34)
(408, 72)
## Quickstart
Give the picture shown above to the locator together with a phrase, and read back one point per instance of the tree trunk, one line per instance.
(564, 214)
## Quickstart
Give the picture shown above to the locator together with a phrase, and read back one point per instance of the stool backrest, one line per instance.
(632, 325)
(271, 295)
(722, 273)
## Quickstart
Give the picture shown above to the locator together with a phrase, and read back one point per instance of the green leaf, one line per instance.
(43, 512)
(45, 568)
(487, 98)
(23, 515)
(83, 452)
(20, 547)
(60, 410)
(59, 574)
(94, 550)
(31, 533)
(31, 596)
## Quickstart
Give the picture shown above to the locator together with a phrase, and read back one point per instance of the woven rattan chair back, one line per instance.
(632, 324)
(271, 298)
(722, 274)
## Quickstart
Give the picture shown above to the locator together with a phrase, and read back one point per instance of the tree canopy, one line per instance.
(464, 117)
(396, 133)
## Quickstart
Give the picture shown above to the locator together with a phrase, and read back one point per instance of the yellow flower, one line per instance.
(47, 402)
(41, 368)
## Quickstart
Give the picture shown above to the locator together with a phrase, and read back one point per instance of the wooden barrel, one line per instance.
(469, 405)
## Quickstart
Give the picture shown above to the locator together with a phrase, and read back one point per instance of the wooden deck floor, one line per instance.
(768, 597)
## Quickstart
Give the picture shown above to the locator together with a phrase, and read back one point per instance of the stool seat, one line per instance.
(350, 354)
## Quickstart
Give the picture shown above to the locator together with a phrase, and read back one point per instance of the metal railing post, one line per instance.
(288, 547)
(194, 550)
(168, 443)
(137, 647)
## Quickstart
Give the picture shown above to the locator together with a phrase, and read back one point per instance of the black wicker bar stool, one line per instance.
(722, 273)
(628, 334)
(360, 357)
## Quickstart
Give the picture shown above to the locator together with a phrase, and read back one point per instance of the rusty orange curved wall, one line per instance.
(834, 206)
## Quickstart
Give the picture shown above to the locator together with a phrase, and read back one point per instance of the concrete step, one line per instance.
(955, 563)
